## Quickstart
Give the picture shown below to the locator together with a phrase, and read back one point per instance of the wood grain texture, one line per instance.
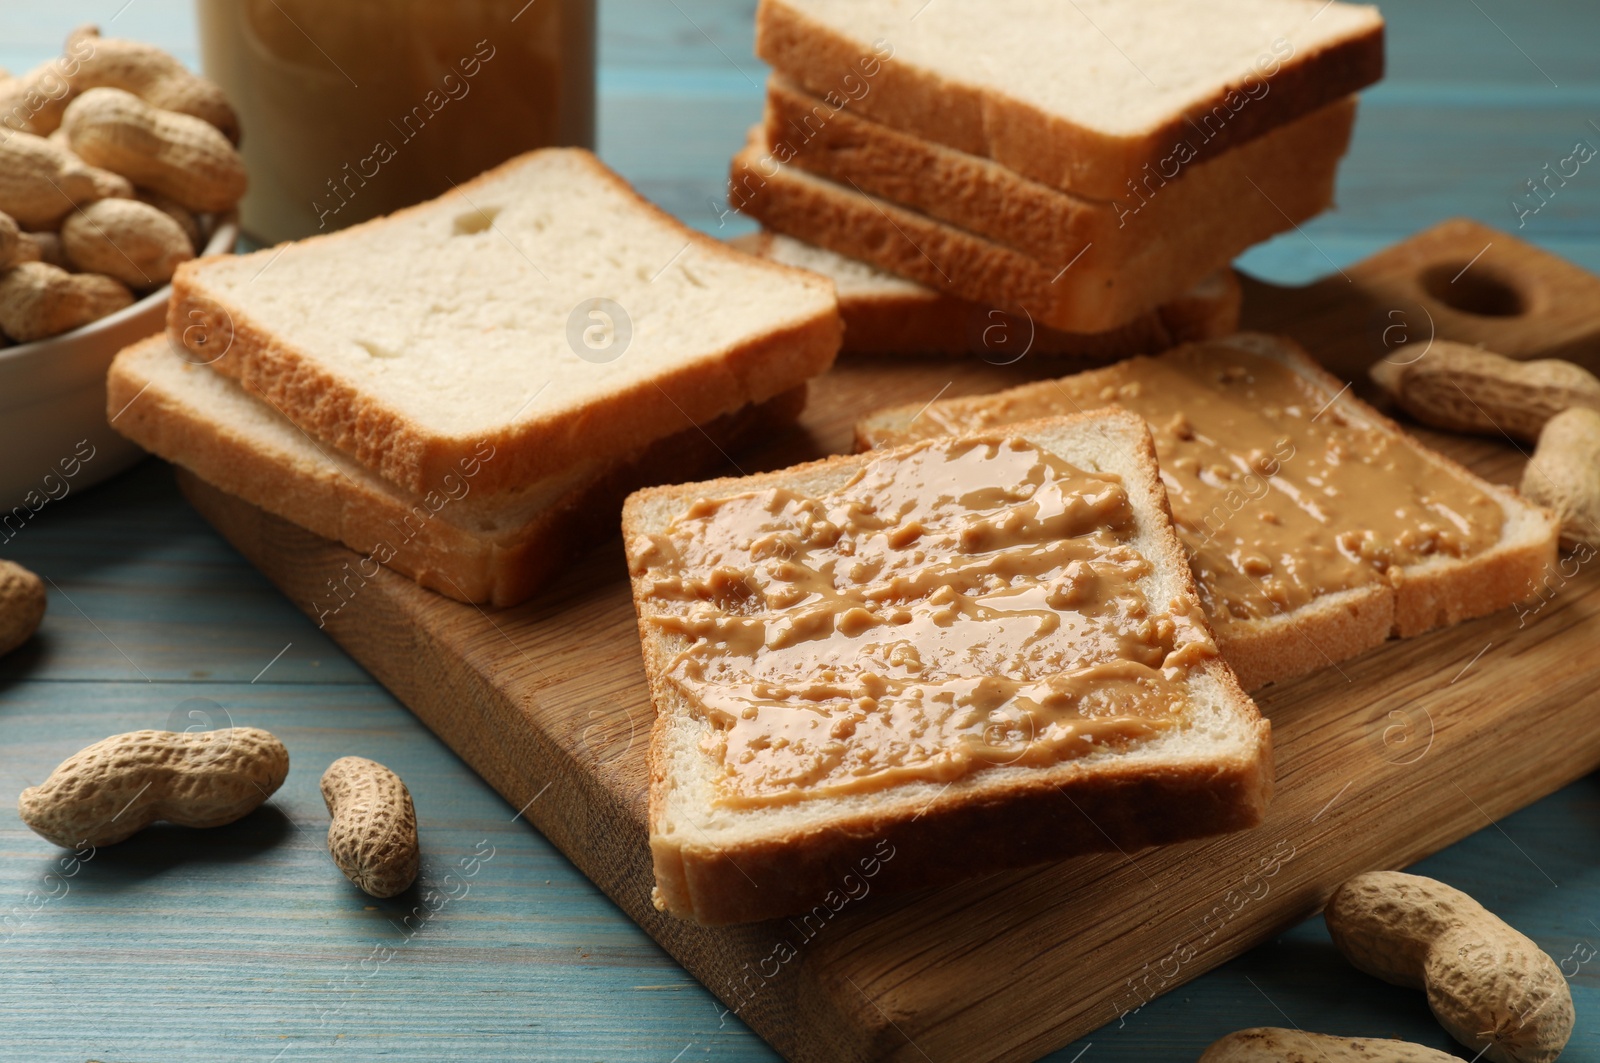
(1458, 279)
(237, 943)
(1381, 760)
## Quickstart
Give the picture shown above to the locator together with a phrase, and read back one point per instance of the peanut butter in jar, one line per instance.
(355, 108)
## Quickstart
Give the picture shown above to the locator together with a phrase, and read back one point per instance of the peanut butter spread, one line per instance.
(968, 603)
(1278, 495)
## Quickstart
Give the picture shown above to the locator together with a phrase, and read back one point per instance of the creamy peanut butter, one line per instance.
(967, 603)
(1279, 497)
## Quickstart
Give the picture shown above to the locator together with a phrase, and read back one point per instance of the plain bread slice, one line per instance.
(543, 308)
(886, 314)
(1080, 95)
(1230, 201)
(494, 550)
(1071, 296)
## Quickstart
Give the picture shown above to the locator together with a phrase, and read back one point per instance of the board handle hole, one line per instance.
(1474, 290)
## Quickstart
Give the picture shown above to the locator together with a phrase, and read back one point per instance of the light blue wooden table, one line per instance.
(245, 944)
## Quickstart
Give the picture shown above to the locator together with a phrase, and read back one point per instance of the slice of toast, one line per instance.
(784, 843)
(886, 314)
(494, 550)
(1071, 296)
(1221, 205)
(1434, 591)
(1084, 95)
(543, 308)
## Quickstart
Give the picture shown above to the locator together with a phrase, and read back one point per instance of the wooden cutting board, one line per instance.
(1380, 761)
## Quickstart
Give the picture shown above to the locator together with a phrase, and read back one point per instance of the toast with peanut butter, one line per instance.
(1316, 528)
(926, 663)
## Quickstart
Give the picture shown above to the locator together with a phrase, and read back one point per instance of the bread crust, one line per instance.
(1319, 635)
(963, 836)
(389, 442)
(1040, 145)
(951, 326)
(977, 824)
(1445, 595)
(1338, 627)
(973, 267)
(1208, 311)
(929, 322)
(498, 569)
(1208, 203)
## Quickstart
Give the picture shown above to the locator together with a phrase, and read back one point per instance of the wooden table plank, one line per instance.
(142, 593)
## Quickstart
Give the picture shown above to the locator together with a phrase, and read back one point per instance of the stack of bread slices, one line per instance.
(1080, 164)
(466, 390)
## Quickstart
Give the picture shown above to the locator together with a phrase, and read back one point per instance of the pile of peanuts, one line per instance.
(114, 158)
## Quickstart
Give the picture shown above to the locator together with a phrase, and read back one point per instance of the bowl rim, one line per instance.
(223, 241)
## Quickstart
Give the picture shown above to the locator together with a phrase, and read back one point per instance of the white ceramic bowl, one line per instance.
(54, 435)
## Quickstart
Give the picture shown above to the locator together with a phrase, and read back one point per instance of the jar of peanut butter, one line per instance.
(353, 108)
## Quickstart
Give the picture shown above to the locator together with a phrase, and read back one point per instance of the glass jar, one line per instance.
(353, 108)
